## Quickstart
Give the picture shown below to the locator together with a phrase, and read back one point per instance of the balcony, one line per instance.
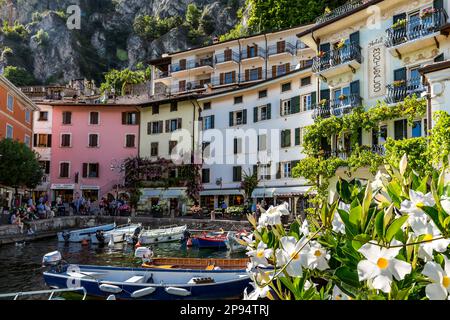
(190, 86)
(286, 49)
(337, 107)
(223, 58)
(161, 74)
(251, 54)
(349, 6)
(399, 90)
(338, 61)
(217, 81)
(201, 65)
(410, 35)
(252, 77)
(304, 65)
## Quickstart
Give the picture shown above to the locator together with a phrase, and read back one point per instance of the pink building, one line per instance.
(90, 144)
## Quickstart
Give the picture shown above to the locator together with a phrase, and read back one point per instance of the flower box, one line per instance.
(399, 83)
(427, 12)
(399, 24)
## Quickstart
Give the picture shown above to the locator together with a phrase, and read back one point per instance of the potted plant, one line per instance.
(321, 54)
(399, 83)
(323, 102)
(340, 44)
(399, 24)
(427, 12)
(342, 97)
(236, 212)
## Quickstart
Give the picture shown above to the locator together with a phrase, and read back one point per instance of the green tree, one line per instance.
(19, 165)
(19, 76)
(193, 15)
(249, 183)
(207, 24)
(119, 80)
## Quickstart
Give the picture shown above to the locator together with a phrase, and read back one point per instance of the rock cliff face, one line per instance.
(106, 39)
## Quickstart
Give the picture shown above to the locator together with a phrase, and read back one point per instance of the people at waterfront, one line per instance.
(224, 208)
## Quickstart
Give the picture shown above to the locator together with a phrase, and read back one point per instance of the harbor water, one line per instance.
(21, 269)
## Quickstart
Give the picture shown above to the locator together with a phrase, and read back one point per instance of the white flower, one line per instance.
(308, 284)
(304, 229)
(272, 216)
(338, 224)
(403, 164)
(343, 206)
(318, 257)
(260, 255)
(413, 208)
(431, 232)
(440, 286)
(260, 289)
(445, 203)
(338, 294)
(381, 265)
(380, 180)
(290, 249)
(250, 240)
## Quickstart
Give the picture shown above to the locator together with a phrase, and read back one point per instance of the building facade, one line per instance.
(89, 145)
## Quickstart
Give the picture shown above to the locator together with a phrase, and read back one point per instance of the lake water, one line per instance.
(21, 270)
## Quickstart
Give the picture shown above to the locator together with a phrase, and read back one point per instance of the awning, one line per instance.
(60, 186)
(89, 188)
(163, 193)
(224, 192)
(280, 192)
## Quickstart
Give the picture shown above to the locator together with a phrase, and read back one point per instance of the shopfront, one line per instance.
(65, 191)
(90, 192)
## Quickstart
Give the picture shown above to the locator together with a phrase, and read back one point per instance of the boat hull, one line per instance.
(208, 243)
(82, 234)
(226, 289)
(119, 235)
(162, 235)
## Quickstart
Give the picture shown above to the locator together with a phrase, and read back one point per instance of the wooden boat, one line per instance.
(146, 283)
(83, 234)
(215, 240)
(197, 263)
(116, 235)
(161, 235)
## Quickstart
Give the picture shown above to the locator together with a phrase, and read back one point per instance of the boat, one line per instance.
(116, 235)
(161, 235)
(197, 263)
(82, 234)
(145, 283)
(235, 242)
(209, 240)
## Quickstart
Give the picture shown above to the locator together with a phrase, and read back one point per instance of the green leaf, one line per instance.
(423, 185)
(434, 215)
(348, 276)
(379, 225)
(343, 188)
(346, 219)
(395, 191)
(360, 240)
(355, 216)
(294, 230)
(394, 227)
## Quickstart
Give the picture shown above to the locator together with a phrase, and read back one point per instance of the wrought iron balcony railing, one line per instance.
(191, 64)
(413, 29)
(162, 74)
(222, 57)
(190, 86)
(351, 5)
(399, 90)
(327, 60)
(276, 49)
(337, 107)
(247, 54)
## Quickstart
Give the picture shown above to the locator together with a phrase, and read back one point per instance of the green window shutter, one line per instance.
(313, 99)
(212, 121)
(400, 74)
(297, 136)
(287, 136)
(231, 119)
(278, 176)
(244, 116)
(295, 104)
(269, 111)
(255, 114)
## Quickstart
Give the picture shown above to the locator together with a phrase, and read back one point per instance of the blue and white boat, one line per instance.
(116, 235)
(82, 234)
(146, 283)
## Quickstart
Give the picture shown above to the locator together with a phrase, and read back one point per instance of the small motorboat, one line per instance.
(161, 235)
(209, 240)
(116, 235)
(82, 234)
(145, 283)
(235, 242)
(196, 263)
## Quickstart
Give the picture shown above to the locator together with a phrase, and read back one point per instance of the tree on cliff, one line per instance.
(19, 165)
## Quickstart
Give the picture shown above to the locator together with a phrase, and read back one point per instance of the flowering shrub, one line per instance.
(384, 239)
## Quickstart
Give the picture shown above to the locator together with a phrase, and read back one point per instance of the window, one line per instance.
(64, 170)
(28, 116)
(254, 74)
(130, 118)
(205, 175)
(43, 116)
(154, 127)
(417, 129)
(285, 87)
(286, 169)
(307, 103)
(281, 69)
(130, 141)
(238, 118)
(93, 140)
(262, 94)
(400, 129)
(42, 140)
(45, 165)
(90, 170)
(251, 51)
(237, 145)
(173, 124)
(67, 117)
(173, 106)
(93, 118)
(228, 77)
(286, 138)
(262, 142)
(27, 140)
(208, 122)
(154, 149)
(65, 140)
(286, 107)
(238, 100)
(379, 137)
(206, 147)
(172, 145)
(155, 109)
(264, 172)
(237, 174)
(305, 81)
(298, 136)
(341, 96)
(9, 131)
(207, 106)
(10, 103)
